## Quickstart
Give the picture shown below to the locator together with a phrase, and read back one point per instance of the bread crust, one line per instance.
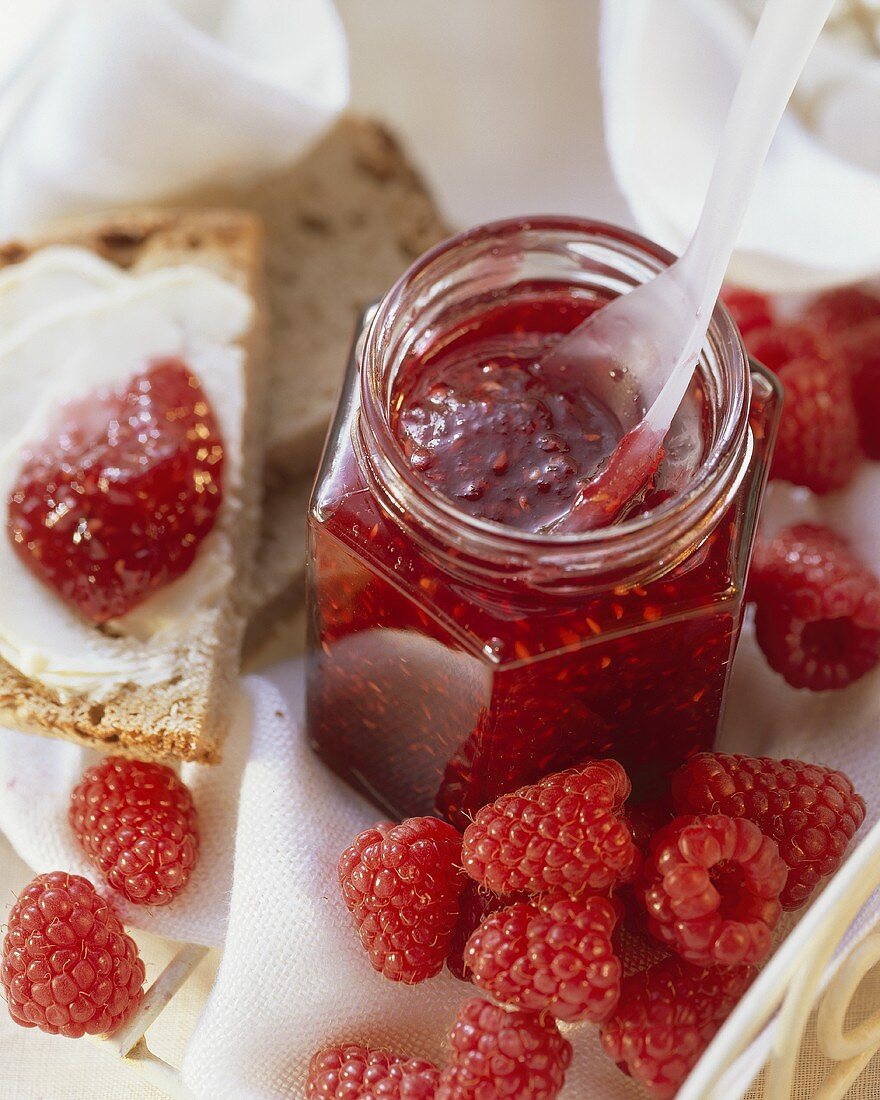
(185, 718)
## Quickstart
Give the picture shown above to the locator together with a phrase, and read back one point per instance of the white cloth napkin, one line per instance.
(121, 103)
(668, 71)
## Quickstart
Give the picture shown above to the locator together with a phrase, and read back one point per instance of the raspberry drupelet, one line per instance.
(811, 812)
(499, 1053)
(817, 613)
(711, 888)
(667, 1016)
(354, 1072)
(69, 968)
(565, 833)
(138, 825)
(553, 955)
(402, 885)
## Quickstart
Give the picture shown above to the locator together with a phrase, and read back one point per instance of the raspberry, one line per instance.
(498, 1053)
(564, 833)
(711, 887)
(817, 444)
(860, 350)
(402, 885)
(114, 503)
(137, 824)
(353, 1072)
(817, 608)
(778, 345)
(553, 955)
(667, 1016)
(818, 441)
(811, 812)
(749, 309)
(69, 968)
(838, 310)
(476, 903)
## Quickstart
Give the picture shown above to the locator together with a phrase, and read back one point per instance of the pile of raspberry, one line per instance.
(565, 904)
(68, 967)
(817, 615)
(827, 357)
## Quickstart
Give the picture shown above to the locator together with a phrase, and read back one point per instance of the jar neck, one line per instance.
(489, 263)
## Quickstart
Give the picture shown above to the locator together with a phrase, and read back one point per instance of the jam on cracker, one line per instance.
(114, 501)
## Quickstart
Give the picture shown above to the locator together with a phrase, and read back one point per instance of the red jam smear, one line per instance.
(116, 500)
(432, 691)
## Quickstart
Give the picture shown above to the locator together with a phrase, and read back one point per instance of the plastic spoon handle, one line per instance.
(782, 42)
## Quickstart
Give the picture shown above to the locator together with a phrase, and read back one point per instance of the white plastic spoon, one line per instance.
(641, 350)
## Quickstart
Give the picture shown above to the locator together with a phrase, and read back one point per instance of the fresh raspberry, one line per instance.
(811, 812)
(476, 903)
(402, 885)
(836, 311)
(353, 1072)
(817, 608)
(778, 345)
(711, 889)
(818, 441)
(564, 833)
(498, 1053)
(860, 350)
(667, 1016)
(749, 309)
(69, 968)
(552, 956)
(138, 825)
(116, 500)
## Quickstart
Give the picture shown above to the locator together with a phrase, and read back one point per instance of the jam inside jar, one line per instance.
(456, 649)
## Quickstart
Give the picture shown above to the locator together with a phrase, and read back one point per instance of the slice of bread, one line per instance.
(186, 717)
(341, 224)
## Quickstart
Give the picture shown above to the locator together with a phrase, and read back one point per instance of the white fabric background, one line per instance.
(668, 70)
(485, 92)
(133, 101)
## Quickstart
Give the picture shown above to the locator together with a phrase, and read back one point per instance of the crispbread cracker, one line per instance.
(186, 717)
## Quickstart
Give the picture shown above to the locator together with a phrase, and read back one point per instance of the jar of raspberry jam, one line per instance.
(457, 649)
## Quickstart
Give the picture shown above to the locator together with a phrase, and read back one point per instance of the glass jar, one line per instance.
(451, 658)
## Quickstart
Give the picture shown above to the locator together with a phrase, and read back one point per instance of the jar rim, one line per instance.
(711, 487)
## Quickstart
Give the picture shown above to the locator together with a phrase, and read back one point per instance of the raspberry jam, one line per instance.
(114, 502)
(457, 651)
(480, 422)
